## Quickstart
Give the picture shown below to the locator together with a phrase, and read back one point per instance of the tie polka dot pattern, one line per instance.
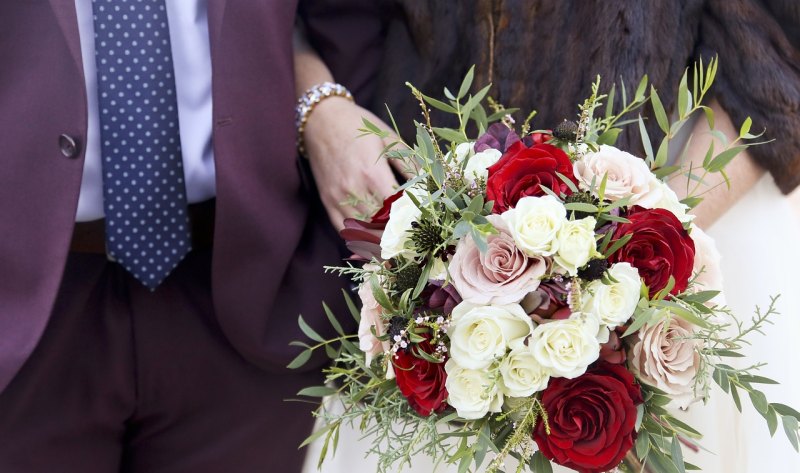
(147, 227)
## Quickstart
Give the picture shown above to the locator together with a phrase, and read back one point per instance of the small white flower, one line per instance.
(534, 223)
(614, 303)
(478, 165)
(464, 151)
(403, 212)
(567, 347)
(522, 375)
(576, 244)
(471, 392)
(479, 335)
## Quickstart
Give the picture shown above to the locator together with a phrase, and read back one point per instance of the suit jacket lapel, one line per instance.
(64, 11)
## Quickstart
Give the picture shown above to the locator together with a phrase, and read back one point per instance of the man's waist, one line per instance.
(90, 237)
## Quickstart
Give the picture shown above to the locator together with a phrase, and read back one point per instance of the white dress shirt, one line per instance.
(191, 56)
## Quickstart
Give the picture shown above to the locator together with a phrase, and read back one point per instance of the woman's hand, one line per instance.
(349, 170)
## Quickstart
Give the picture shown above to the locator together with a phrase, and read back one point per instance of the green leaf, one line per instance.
(610, 103)
(721, 378)
(709, 116)
(300, 360)
(609, 137)
(639, 320)
(450, 135)
(501, 113)
(663, 153)
(745, 128)
(772, 421)
(540, 463)
(750, 378)
(332, 319)
(759, 401)
(437, 104)
(568, 182)
(790, 426)
(677, 454)
(683, 96)
(642, 444)
(648, 147)
(785, 410)
(310, 332)
(319, 433)
(640, 89)
(736, 400)
(619, 243)
(466, 83)
(722, 159)
(316, 391)
(380, 296)
(658, 108)
(581, 207)
(702, 297)
(354, 312)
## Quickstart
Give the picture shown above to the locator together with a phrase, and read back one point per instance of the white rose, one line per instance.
(567, 347)
(707, 264)
(614, 303)
(534, 223)
(478, 165)
(626, 174)
(521, 374)
(661, 196)
(576, 244)
(471, 392)
(481, 334)
(403, 212)
(464, 151)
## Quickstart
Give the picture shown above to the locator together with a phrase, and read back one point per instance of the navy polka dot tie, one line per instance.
(147, 227)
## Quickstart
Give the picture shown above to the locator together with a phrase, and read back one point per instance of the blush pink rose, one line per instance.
(371, 316)
(666, 357)
(707, 264)
(504, 274)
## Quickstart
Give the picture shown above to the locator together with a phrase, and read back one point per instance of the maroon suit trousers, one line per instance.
(128, 380)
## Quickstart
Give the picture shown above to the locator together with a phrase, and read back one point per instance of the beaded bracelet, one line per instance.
(307, 103)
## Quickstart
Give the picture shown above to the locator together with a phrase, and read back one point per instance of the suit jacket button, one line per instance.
(68, 145)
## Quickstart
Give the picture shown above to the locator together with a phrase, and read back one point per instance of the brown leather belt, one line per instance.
(90, 237)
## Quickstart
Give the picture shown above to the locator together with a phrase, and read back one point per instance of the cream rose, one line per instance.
(478, 164)
(661, 196)
(707, 264)
(626, 174)
(614, 303)
(534, 223)
(576, 244)
(521, 375)
(403, 212)
(479, 335)
(370, 317)
(471, 392)
(567, 347)
(663, 356)
(503, 274)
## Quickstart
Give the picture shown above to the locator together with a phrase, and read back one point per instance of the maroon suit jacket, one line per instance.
(270, 240)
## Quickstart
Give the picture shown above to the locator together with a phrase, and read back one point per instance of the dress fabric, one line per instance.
(757, 239)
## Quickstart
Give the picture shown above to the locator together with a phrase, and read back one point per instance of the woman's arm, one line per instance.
(346, 167)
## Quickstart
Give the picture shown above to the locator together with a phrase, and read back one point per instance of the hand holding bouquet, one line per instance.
(539, 294)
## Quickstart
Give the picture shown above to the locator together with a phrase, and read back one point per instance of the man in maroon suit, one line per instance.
(132, 131)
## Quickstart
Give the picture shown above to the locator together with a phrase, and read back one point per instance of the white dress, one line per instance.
(759, 239)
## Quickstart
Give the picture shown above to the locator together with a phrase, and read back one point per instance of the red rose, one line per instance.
(420, 381)
(591, 418)
(659, 248)
(382, 215)
(523, 171)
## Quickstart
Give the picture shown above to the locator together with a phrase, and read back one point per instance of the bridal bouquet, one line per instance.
(538, 294)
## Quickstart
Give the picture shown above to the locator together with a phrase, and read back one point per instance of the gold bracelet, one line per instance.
(307, 103)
